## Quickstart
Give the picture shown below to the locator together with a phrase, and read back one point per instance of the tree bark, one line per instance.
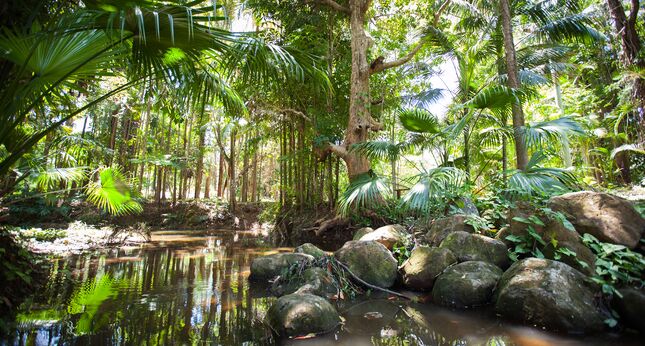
(521, 152)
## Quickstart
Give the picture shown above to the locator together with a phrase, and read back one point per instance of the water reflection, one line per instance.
(191, 288)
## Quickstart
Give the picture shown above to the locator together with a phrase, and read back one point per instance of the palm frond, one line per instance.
(365, 191)
(53, 177)
(558, 130)
(433, 185)
(635, 148)
(113, 193)
(540, 180)
(419, 120)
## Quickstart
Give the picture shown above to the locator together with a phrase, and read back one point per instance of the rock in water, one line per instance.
(310, 249)
(466, 284)
(630, 308)
(441, 228)
(369, 260)
(609, 218)
(313, 281)
(425, 263)
(476, 247)
(548, 294)
(361, 232)
(387, 235)
(301, 314)
(268, 267)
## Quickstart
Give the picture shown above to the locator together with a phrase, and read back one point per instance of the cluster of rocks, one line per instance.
(462, 269)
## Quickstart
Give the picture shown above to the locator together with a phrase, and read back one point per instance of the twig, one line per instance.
(370, 285)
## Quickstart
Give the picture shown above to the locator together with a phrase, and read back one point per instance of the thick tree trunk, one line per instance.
(521, 153)
(359, 97)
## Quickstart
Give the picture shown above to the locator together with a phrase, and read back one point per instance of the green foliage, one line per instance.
(402, 252)
(49, 234)
(532, 244)
(539, 180)
(435, 189)
(616, 265)
(112, 193)
(365, 191)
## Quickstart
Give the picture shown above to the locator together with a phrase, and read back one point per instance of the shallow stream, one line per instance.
(192, 288)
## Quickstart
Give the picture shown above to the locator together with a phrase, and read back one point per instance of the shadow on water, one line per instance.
(192, 288)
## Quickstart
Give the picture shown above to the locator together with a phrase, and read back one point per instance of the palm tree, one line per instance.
(49, 70)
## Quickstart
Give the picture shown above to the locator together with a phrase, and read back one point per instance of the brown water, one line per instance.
(192, 288)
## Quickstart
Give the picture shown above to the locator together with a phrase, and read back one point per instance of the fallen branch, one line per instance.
(370, 285)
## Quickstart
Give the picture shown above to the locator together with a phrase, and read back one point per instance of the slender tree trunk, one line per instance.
(231, 175)
(521, 152)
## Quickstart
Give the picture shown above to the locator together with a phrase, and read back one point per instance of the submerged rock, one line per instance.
(268, 267)
(548, 294)
(630, 308)
(301, 314)
(466, 284)
(319, 282)
(387, 235)
(609, 218)
(361, 232)
(310, 249)
(424, 265)
(476, 247)
(441, 228)
(369, 260)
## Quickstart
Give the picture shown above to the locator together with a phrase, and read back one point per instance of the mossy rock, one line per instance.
(548, 294)
(315, 281)
(467, 284)
(441, 228)
(302, 314)
(369, 260)
(424, 265)
(476, 247)
(387, 235)
(361, 232)
(268, 267)
(310, 249)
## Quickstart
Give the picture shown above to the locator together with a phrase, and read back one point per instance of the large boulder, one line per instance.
(387, 235)
(302, 314)
(548, 294)
(369, 260)
(630, 308)
(424, 265)
(609, 218)
(441, 228)
(310, 249)
(466, 284)
(268, 267)
(476, 247)
(552, 232)
(313, 281)
(361, 232)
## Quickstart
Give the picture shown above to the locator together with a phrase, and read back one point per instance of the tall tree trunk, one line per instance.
(231, 174)
(521, 153)
(359, 96)
(199, 174)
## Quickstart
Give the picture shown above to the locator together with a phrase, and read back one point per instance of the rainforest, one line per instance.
(322, 172)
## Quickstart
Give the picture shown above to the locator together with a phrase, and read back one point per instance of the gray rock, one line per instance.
(268, 267)
(609, 218)
(369, 260)
(548, 294)
(466, 284)
(476, 247)
(387, 235)
(310, 249)
(630, 308)
(361, 232)
(442, 227)
(424, 265)
(301, 314)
